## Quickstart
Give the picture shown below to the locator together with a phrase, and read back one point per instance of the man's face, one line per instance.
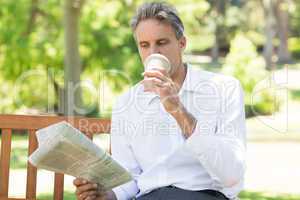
(153, 36)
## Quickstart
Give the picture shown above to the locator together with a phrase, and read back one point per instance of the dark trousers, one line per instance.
(173, 193)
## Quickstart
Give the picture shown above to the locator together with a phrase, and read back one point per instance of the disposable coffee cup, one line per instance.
(157, 61)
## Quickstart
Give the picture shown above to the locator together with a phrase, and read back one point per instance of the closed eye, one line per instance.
(162, 42)
(144, 44)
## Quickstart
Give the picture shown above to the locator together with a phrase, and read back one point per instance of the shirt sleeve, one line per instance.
(220, 143)
(126, 191)
(122, 153)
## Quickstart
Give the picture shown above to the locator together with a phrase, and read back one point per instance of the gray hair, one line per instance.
(162, 12)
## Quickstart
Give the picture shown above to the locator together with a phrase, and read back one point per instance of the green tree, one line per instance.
(244, 63)
(32, 38)
(224, 19)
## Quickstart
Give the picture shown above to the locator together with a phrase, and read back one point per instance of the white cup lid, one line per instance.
(156, 61)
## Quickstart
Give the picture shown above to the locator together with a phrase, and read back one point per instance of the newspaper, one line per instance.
(64, 149)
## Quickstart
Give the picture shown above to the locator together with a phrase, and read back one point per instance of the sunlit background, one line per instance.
(256, 41)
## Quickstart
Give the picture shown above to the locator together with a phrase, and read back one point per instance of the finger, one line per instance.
(167, 85)
(150, 86)
(79, 181)
(155, 73)
(153, 81)
(91, 197)
(86, 187)
(87, 194)
(163, 71)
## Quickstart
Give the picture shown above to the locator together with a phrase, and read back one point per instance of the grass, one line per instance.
(243, 196)
(67, 196)
(264, 196)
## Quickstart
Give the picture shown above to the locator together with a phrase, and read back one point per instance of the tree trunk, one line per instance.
(72, 70)
(219, 7)
(282, 19)
(269, 32)
(216, 48)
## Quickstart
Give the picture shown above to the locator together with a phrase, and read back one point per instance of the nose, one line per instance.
(154, 49)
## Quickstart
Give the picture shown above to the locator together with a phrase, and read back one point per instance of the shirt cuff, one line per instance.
(126, 191)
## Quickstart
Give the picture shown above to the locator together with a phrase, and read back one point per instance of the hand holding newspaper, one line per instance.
(64, 149)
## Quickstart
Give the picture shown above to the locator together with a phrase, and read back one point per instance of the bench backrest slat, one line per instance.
(58, 186)
(5, 159)
(24, 122)
(31, 170)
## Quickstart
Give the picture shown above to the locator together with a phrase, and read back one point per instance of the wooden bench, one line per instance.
(30, 124)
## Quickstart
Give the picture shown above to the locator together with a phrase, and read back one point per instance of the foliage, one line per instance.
(295, 94)
(19, 150)
(32, 45)
(294, 46)
(294, 10)
(244, 63)
(107, 42)
(218, 21)
(18, 158)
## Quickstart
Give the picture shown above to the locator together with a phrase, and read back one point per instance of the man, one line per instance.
(181, 133)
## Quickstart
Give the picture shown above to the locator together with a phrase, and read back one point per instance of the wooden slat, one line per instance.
(5, 159)
(31, 170)
(58, 186)
(27, 122)
(2, 198)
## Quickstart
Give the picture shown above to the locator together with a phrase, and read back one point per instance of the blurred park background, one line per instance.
(49, 46)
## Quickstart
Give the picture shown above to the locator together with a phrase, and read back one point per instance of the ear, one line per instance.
(182, 43)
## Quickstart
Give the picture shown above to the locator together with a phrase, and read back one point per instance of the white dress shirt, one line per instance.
(148, 142)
